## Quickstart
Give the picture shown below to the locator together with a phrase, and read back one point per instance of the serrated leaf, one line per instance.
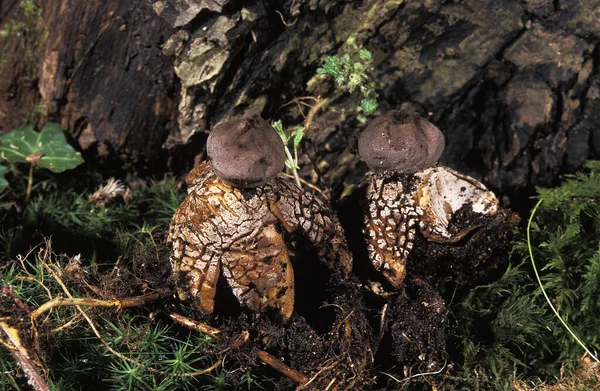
(297, 136)
(368, 105)
(331, 67)
(3, 182)
(278, 126)
(346, 59)
(365, 55)
(49, 148)
(340, 80)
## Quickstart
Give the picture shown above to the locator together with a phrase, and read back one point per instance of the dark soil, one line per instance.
(343, 332)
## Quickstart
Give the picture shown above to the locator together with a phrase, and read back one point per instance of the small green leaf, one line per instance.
(368, 105)
(278, 126)
(56, 154)
(3, 182)
(365, 55)
(346, 59)
(340, 80)
(297, 136)
(331, 67)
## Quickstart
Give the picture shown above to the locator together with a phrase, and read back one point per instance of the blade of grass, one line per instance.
(537, 276)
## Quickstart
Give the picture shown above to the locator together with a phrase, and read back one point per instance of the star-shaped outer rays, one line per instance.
(400, 205)
(223, 229)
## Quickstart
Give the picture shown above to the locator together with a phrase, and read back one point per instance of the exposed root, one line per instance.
(263, 356)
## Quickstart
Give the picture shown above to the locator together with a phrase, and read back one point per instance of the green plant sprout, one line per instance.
(294, 140)
(351, 75)
(348, 75)
(47, 149)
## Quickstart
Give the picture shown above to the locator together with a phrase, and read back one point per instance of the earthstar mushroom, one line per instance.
(231, 222)
(245, 152)
(401, 142)
(405, 193)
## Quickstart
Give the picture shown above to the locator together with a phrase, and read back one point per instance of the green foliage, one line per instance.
(47, 149)
(3, 182)
(506, 329)
(294, 140)
(351, 73)
(21, 146)
(567, 234)
(70, 212)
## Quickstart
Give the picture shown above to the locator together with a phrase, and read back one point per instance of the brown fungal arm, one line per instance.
(260, 273)
(196, 265)
(297, 209)
(389, 224)
(221, 229)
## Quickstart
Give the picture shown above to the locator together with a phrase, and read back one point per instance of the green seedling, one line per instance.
(46, 149)
(294, 140)
(352, 75)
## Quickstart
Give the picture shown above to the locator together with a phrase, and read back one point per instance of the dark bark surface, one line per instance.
(514, 85)
(97, 69)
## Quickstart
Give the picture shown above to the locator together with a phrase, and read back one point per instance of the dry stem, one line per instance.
(22, 357)
(263, 356)
(60, 301)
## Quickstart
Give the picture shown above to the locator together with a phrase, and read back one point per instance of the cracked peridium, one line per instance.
(400, 205)
(222, 229)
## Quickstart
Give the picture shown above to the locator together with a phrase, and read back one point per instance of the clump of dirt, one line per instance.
(479, 256)
(342, 357)
(417, 321)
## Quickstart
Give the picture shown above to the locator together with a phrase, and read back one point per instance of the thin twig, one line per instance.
(280, 367)
(284, 22)
(415, 375)
(263, 356)
(22, 356)
(316, 375)
(106, 345)
(74, 319)
(60, 301)
(194, 325)
(310, 117)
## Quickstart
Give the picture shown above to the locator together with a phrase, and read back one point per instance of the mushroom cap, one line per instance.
(401, 142)
(245, 152)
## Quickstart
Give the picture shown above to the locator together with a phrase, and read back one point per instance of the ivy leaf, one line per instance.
(47, 149)
(3, 182)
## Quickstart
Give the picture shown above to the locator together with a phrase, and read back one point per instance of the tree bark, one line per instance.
(514, 85)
